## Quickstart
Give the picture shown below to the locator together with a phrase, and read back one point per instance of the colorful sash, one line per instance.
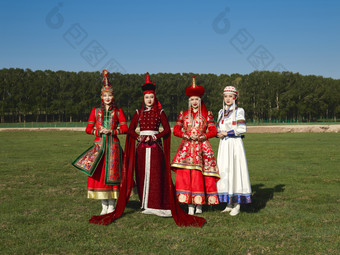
(88, 161)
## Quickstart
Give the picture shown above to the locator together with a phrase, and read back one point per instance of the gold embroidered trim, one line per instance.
(198, 168)
(102, 194)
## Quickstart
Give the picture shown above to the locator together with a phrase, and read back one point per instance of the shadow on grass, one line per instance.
(132, 204)
(260, 198)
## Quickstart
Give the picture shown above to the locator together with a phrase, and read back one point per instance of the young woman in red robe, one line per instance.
(103, 161)
(194, 162)
(150, 162)
(152, 184)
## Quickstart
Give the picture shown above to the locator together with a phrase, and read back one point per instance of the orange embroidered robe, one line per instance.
(103, 161)
(194, 162)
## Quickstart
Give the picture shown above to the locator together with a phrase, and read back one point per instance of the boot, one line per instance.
(105, 203)
(235, 210)
(191, 209)
(111, 207)
(199, 209)
(228, 208)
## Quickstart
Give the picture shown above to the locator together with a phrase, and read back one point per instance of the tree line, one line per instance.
(62, 96)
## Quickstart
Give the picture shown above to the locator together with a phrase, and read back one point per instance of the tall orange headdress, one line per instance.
(107, 86)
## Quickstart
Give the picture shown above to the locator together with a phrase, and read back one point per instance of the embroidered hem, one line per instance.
(175, 166)
(110, 194)
(197, 198)
(234, 198)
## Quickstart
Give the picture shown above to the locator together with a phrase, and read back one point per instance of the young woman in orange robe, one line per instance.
(194, 162)
(103, 161)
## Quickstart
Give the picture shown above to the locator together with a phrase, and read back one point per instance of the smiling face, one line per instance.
(149, 99)
(228, 98)
(195, 102)
(107, 98)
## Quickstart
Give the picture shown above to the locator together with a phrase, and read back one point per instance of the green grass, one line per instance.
(83, 124)
(296, 204)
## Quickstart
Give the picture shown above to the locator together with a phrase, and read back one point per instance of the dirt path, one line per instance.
(250, 129)
(294, 129)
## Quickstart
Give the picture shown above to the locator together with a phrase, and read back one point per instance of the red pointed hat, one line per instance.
(148, 85)
(107, 86)
(194, 90)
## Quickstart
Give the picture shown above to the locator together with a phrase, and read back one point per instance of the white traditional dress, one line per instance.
(234, 184)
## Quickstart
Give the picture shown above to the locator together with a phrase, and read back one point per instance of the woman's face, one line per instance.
(107, 98)
(195, 102)
(228, 98)
(149, 99)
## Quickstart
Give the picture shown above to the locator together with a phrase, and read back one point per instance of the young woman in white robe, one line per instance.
(234, 185)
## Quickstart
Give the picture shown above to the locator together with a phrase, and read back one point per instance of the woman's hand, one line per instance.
(150, 138)
(222, 134)
(194, 137)
(105, 131)
(185, 136)
(202, 138)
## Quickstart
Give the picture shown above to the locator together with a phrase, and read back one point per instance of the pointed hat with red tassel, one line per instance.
(148, 85)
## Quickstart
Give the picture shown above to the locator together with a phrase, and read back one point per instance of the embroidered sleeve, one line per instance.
(212, 131)
(166, 126)
(133, 126)
(240, 122)
(179, 125)
(123, 128)
(91, 123)
(210, 119)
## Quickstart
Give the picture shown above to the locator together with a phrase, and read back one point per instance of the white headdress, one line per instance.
(231, 90)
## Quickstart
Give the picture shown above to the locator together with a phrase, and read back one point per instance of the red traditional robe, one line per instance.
(194, 162)
(103, 161)
(152, 184)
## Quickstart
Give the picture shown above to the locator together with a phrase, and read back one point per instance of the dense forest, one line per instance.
(50, 96)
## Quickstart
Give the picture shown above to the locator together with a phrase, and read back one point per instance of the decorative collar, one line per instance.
(230, 108)
(147, 108)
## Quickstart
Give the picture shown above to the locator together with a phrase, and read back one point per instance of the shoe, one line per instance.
(235, 210)
(111, 206)
(191, 209)
(105, 205)
(199, 209)
(228, 208)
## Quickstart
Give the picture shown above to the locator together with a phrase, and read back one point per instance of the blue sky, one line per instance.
(172, 36)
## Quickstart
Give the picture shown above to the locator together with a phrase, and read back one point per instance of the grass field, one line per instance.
(83, 124)
(295, 179)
